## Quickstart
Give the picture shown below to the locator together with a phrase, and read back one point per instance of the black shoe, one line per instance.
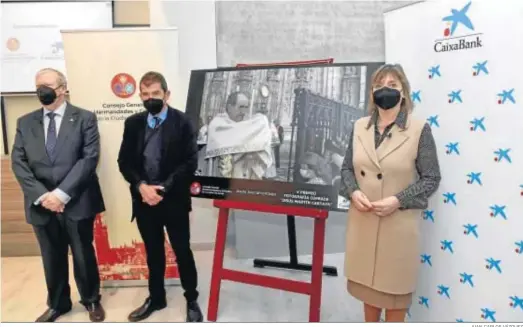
(194, 313)
(145, 310)
(50, 315)
(96, 312)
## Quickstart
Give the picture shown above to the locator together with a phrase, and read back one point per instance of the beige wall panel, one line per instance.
(129, 12)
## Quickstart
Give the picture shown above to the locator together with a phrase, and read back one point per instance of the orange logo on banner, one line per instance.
(12, 44)
(123, 85)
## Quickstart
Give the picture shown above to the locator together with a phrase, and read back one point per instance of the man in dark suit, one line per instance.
(158, 157)
(54, 159)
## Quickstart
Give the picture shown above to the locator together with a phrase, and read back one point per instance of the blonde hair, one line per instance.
(397, 71)
(61, 80)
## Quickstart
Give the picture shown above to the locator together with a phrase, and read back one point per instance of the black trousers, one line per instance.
(54, 240)
(151, 223)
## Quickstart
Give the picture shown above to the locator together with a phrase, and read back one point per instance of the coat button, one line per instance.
(362, 173)
(380, 176)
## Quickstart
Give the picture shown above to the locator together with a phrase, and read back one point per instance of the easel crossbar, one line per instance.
(282, 284)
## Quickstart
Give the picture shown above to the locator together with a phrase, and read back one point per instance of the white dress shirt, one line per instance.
(60, 111)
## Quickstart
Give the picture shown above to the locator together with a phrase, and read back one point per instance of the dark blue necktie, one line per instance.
(156, 123)
(50, 144)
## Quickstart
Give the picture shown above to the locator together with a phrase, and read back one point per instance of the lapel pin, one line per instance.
(72, 119)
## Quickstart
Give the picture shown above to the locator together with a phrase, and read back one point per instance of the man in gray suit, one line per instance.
(54, 159)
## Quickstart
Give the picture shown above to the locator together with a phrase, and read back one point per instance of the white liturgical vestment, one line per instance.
(239, 149)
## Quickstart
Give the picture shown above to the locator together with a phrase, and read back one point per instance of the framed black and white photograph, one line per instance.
(276, 134)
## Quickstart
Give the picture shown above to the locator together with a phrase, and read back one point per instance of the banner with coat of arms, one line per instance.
(107, 83)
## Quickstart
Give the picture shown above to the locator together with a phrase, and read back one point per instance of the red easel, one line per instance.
(219, 273)
(313, 289)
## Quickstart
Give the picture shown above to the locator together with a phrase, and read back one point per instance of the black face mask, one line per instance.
(153, 106)
(46, 95)
(386, 98)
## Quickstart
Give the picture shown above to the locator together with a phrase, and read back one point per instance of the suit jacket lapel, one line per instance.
(38, 131)
(69, 121)
(398, 137)
(367, 140)
(140, 134)
(167, 132)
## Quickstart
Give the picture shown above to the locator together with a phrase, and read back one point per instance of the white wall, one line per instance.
(196, 23)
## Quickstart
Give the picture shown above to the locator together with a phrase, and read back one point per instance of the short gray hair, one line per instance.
(61, 80)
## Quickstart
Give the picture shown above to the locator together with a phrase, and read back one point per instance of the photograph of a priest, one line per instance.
(238, 146)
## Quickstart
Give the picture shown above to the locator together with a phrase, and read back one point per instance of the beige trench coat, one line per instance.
(383, 252)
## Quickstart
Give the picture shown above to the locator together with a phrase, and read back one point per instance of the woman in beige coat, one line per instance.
(389, 171)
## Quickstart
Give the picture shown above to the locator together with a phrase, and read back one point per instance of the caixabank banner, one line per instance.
(276, 134)
(462, 60)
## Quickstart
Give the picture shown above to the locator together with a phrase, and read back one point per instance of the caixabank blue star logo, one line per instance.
(498, 211)
(455, 96)
(426, 259)
(424, 301)
(459, 33)
(516, 302)
(444, 291)
(434, 72)
(428, 215)
(474, 178)
(480, 68)
(416, 96)
(458, 17)
(447, 246)
(488, 314)
(450, 198)
(506, 96)
(466, 279)
(478, 124)
(471, 230)
(519, 247)
(503, 155)
(452, 148)
(493, 265)
(433, 121)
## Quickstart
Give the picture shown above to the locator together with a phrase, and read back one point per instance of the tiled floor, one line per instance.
(24, 295)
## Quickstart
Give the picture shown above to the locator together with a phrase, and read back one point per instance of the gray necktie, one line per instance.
(50, 144)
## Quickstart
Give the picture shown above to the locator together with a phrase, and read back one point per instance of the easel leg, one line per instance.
(216, 278)
(293, 263)
(291, 234)
(317, 267)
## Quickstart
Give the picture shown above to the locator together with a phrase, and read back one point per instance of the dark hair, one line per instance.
(153, 77)
(232, 99)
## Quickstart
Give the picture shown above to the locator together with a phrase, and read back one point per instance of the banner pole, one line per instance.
(4, 126)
